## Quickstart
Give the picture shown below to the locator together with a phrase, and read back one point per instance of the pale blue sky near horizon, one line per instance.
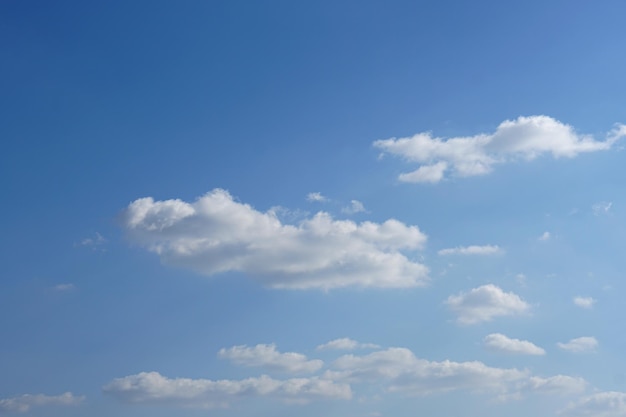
(379, 108)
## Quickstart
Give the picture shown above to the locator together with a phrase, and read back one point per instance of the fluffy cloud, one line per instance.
(580, 345)
(524, 138)
(217, 234)
(584, 302)
(267, 356)
(501, 343)
(152, 388)
(471, 250)
(25, 402)
(403, 372)
(346, 344)
(602, 404)
(484, 303)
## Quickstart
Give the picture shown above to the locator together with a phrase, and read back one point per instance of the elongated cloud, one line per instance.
(24, 403)
(471, 250)
(524, 138)
(268, 357)
(601, 404)
(484, 303)
(583, 344)
(501, 343)
(152, 388)
(217, 234)
(346, 344)
(393, 369)
(402, 371)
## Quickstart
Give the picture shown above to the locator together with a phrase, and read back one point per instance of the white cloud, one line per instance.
(346, 344)
(403, 372)
(64, 287)
(316, 197)
(471, 250)
(558, 384)
(580, 345)
(355, 207)
(426, 173)
(218, 234)
(484, 303)
(152, 388)
(601, 404)
(25, 402)
(392, 369)
(268, 357)
(545, 236)
(602, 207)
(584, 302)
(524, 138)
(501, 343)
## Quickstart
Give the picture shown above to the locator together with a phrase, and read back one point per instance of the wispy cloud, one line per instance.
(524, 138)
(95, 240)
(471, 250)
(217, 234)
(355, 207)
(26, 402)
(601, 404)
(64, 287)
(601, 208)
(346, 344)
(545, 236)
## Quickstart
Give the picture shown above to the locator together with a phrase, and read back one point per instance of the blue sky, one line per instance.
(280, 208)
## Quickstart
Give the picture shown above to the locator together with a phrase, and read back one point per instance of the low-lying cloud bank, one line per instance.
(393, 369)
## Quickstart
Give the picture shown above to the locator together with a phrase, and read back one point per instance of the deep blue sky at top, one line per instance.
(89, 122)
(84, 96)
